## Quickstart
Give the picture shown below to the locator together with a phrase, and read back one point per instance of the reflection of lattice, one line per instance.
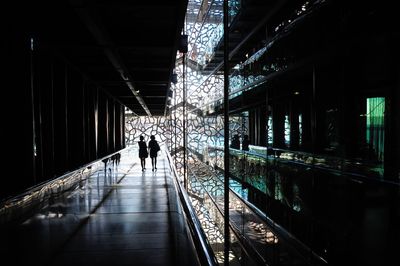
(261, 233)
(178, 159)
(206, 175)
(206, 179)
(208, 224)
(244, 220)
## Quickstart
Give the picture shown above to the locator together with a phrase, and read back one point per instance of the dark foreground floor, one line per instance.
(120, 216)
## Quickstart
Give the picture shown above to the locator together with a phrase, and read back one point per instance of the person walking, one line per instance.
(153, 150)
(245, 143)
(143, 154)
(235, 144)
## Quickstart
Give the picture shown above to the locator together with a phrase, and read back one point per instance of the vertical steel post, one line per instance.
(32, 94)
(313, 113)
(226, 136)
(184, 121)
(175, 129)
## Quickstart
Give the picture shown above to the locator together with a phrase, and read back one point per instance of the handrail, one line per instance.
(206, 255)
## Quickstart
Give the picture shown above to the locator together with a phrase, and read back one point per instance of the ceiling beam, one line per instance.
(100, 34)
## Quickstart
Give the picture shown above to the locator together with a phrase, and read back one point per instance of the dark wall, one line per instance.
(17, 115)
(57, 119)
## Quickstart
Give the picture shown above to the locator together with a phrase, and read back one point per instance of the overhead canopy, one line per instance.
(126, 47)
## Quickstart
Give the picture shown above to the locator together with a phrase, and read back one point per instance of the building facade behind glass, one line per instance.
(314, 86)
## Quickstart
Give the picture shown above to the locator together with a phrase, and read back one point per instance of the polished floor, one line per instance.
(119, 216)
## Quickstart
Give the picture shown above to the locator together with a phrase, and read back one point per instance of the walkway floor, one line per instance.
(129, 223)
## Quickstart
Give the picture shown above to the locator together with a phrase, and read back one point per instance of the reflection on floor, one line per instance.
(119, 216)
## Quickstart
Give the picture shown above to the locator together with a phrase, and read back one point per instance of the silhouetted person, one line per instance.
(245, 143)
(235, 142)
(143, 154)
(153, 149)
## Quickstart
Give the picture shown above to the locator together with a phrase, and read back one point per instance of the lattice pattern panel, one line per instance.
(142, 125)
(203, 23)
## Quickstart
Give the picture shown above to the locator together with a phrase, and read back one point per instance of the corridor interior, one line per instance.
(118, 216)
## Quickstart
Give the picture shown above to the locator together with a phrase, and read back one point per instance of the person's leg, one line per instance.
(142, 163)
(155, 162)
(152, 163)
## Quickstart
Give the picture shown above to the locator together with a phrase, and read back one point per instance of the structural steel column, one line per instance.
(60, 114)
(226, 135)
(122, 127)
(263, 126)
(96, 98)
(102, 125)
(397, 125)
(118, 127)
(88, 112)
(75, 84)
(184, 122)
(111, 126)
(85, 152)
(37, 113)
(314, 113)
(47, 118)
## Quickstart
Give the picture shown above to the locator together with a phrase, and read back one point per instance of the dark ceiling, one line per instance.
(126, 47)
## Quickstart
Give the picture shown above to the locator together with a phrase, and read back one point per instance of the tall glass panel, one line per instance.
(270, 131)
(300, 129)
(375, 131)
(287, 131)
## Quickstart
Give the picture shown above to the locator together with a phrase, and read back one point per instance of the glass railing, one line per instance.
(204, 252)
(261, 239)
(209, 33)
(312, 195)
(277, 56)
(99, 175)
(351, 167)
(305, 8)
(207, 198)
(239, 83)
(273, 57)
(214, 28)
(258, 155)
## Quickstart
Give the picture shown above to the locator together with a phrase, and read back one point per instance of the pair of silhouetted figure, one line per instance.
(144, 151)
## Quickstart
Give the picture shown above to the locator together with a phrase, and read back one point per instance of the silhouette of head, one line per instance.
(152, 137)
(141, 138)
